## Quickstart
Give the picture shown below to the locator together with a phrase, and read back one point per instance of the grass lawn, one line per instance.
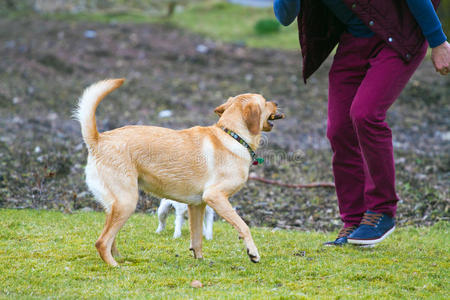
(50, 254)
(234, 23)
(218, 20)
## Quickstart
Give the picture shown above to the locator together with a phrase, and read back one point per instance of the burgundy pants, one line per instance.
(365, 79)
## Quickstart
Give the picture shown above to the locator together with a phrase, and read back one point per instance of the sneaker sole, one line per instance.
(370, 242)
(364, 246)
(333, 245)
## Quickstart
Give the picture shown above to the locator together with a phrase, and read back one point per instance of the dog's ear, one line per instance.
(221, 108)
(252, 116)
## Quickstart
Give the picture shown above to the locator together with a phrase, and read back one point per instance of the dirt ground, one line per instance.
(45, 65)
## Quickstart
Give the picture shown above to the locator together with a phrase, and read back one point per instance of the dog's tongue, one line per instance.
(276, 117)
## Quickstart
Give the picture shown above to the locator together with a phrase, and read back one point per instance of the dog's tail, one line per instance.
(87, 104)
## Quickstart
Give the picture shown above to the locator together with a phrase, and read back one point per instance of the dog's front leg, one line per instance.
(196, 227)
(179, 221)
(208, 223)
(163, 211)
(219, 202)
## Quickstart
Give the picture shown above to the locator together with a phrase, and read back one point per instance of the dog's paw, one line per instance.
(197, 254)
(159, 229)
(208, 234)
(114, 264)
(254, 256)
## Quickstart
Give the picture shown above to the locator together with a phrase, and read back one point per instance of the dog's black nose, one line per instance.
(276, 103)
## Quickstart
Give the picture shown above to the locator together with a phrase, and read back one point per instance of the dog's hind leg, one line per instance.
(163, 211)
(114, 251)
(219, 201)
(196, 214)
(121, 210)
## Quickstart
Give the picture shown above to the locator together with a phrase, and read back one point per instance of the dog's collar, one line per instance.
(255, 160)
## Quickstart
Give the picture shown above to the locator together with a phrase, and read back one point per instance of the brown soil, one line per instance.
(45, 65)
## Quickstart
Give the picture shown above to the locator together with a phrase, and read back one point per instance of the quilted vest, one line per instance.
(391, 20)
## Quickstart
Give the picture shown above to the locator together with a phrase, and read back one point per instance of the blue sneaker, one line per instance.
(373, 228)
(342, 236)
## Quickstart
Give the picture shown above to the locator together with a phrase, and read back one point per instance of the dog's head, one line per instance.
(254, 110)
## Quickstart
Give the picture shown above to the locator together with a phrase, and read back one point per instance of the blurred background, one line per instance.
(181, 59)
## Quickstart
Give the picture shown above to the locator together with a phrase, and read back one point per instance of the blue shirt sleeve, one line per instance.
(286, 10)
(425, 15)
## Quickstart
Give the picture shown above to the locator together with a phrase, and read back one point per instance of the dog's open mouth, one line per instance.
(274, 117)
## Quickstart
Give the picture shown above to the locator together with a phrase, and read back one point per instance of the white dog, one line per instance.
(181, 210)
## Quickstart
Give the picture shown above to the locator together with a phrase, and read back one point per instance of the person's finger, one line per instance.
(435, 66)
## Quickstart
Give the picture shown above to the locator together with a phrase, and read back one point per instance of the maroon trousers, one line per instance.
(365, 79)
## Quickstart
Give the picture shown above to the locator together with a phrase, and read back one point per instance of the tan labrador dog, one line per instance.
(196, 166)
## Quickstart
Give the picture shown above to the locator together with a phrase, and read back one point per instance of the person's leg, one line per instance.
(346, 74)
(387, 76)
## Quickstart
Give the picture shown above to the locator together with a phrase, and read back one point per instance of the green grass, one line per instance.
(50, 254)
(217, 20)
(234, 23)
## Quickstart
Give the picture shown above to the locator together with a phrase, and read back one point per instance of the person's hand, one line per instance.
(440, 56)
